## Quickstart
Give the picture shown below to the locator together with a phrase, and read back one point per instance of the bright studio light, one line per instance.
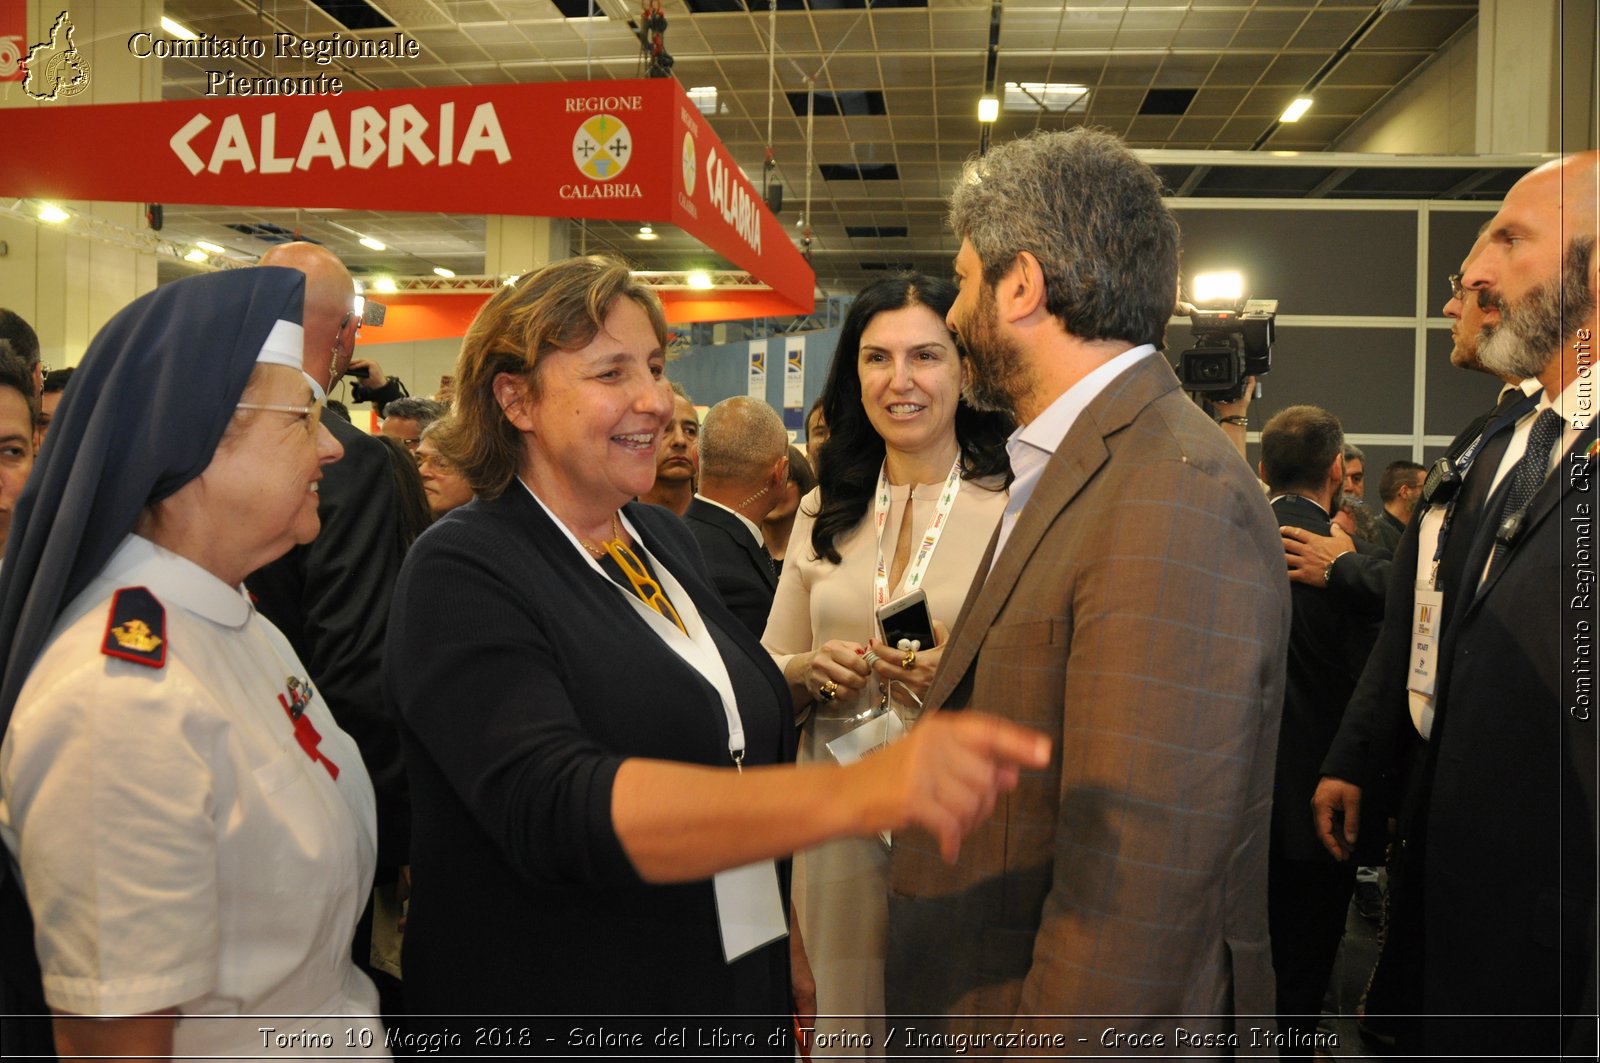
(49, 212)
(440, 271)
(700, 279)
(196, 255)
(988, 108)
(384, 284)
(375, 245)
(1225, 287)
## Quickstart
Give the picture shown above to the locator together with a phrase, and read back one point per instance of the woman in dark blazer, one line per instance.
(597, 749)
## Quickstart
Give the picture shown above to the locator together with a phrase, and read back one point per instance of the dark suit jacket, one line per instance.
(1328, 647)
(529, 680)
(1137, 615)
(1512, 766)
(330, 598)
(740, 569)
(1375, 735)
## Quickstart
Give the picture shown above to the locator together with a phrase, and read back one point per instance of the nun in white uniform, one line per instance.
(192, 834)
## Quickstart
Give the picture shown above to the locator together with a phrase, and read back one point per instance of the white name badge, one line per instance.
(871, 737)
(749, 908)
(1427, 614)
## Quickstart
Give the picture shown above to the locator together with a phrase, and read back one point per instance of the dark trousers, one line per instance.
(1306, 905)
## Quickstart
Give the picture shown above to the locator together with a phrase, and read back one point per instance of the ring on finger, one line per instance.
(828, 691)
(909, 660)
(871, 657)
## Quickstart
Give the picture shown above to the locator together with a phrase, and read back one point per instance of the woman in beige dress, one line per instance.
(912, 485)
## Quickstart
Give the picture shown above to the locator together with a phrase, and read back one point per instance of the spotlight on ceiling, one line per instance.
(988, 108)
(700, 279)
(375, 245)
(647, 233)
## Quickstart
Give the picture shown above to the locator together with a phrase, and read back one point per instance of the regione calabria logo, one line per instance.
(689, 167)
(56, 69)
(602, 147)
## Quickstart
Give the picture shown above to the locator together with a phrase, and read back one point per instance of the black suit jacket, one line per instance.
(740, 570)
(330, 598)
(1328, 647)
(1512, 765)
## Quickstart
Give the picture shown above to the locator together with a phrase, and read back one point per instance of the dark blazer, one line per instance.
(739, 567)
(529, 679)
(330, 598)
(1328, 648)
(1138, 616)
(1512, 764)
(1375, 735)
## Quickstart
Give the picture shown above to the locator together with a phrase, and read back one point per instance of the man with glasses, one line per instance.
(331, 596)
(405, 419)
(1498, 831)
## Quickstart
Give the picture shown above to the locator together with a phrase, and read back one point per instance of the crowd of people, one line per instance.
(557, 698)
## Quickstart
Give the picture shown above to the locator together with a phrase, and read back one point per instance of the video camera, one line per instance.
(1229, 345)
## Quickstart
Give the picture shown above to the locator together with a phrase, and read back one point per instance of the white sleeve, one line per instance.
(110, 778)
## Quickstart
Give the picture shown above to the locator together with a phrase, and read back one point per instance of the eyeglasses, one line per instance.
(438, 461)
(1457, 289)
(310, 415)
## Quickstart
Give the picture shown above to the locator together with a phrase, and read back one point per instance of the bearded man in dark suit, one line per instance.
(1134, 607)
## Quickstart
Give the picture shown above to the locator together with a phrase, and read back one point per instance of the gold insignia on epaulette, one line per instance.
(135, 635)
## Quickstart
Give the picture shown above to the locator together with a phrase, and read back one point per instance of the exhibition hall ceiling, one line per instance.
(893, 88)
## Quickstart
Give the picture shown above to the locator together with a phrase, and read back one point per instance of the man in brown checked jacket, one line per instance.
(1134, 607)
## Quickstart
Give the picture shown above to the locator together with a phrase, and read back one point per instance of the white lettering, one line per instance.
(271, 163)
(366, 137)
(403, 138)
(321, 142)
(180, 143)
(406, 126)
(483, 134)
(232, 146)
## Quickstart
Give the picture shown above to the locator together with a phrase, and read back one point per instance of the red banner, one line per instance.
(624, 150)
(13, 39)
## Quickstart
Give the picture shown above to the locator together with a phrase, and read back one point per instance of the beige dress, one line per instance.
(841, 887)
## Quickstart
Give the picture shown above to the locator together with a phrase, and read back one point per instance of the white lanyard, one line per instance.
(930, 537)
(693, 644)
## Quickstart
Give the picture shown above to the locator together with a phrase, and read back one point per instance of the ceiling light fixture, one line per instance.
(988, 108)
(49, 212)
(647, 233)
(179, 30)
(1293, 112)
(440, 271)
(375, 245)
(209, 247)
(700, 279)
(384, 284)
(196, 255)
(704, 98)
(1045, 97)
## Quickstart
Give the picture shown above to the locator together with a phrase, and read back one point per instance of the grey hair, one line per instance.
(1091, 212)
(740, 440)
(414, 408)
(1354, 453)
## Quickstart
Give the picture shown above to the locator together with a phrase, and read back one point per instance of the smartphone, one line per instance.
(907, 618)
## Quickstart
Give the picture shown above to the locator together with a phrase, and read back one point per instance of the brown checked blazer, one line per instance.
(1139, 616)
